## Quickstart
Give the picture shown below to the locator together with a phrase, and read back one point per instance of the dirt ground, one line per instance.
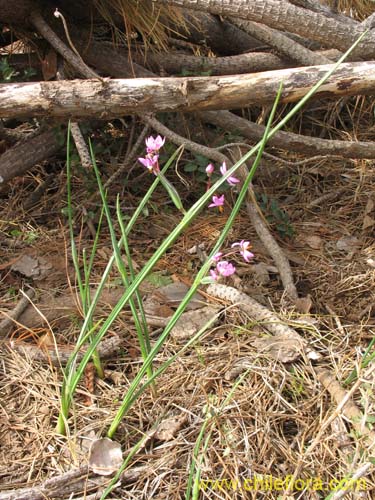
(280, 420)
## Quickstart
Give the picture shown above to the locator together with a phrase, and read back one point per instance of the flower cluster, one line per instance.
(226, 268)
(151, 160)
(218, 201)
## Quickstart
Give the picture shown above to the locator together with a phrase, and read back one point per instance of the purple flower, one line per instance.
(244, 246)
(232, 181)
(210, 169)
(217, 201)
(153, 145)
(225, 268)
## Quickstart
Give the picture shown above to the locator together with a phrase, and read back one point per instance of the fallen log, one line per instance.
(284, 16)
(21, 157)
(106, 98)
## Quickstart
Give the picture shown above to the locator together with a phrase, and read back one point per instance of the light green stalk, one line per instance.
(83, 286)
(141, 327)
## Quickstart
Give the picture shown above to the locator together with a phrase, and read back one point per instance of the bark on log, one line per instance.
(217, 33)
(25, 155)
(287, 140)
(281, 43)
(326, 10)
(287, 17)
(107, 98)
(252, 62)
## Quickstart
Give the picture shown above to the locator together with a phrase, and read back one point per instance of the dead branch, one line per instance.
(316, 6)
(113, 98)
(7, 323)
(350, 410)
(287, 140)
(112, 62)
(261, 314)
(72, 482)
(44, 29)
(297, 345)
(265, 236)
(21, 157)
(361, 471)
(287, 17)
(252, 62)
(217, 33)
(274, 250)
(284, 45)
(106, 349)
(12, 136)
(210, 153)
(79, 140)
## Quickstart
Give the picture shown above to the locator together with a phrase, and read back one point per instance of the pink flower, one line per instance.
(150, 162)
(244, 246)
(225, 268)
(153, 145)
(232, 181)
(210, 169)
(217, 201)
(217, 256)
(214, 274)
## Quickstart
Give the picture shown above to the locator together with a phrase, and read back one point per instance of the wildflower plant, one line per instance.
(92, 333)
(151, 162)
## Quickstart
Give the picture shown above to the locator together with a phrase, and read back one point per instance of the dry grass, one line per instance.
(359, 9)
(141, 19)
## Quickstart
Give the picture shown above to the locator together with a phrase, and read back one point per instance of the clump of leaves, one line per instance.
(276, 216)
(197, 165)
(9, 73)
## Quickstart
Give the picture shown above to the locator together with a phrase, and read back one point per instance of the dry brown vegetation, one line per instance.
(292, 415)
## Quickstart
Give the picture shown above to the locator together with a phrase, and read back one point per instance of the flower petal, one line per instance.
(214, 274)
(247, 255)
(217, 256)
(232, 181)
(210, 169)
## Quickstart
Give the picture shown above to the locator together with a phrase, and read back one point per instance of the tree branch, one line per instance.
(107, 99)
(287, 140)
(287, 17)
